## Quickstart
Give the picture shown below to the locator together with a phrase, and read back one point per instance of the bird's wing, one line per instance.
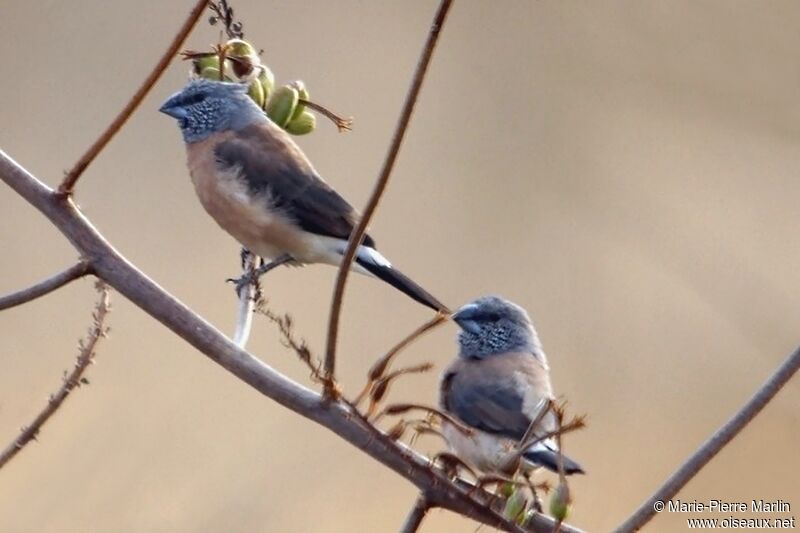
(272, 165)
(486, 399)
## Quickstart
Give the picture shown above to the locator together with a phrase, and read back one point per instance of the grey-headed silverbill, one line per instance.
(254, 180)
(496, 386)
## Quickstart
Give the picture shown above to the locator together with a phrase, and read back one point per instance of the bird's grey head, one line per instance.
(205, 107)
(492, 325)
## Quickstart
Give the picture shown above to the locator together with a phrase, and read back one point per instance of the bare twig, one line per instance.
(68, 184)
(71, 381)
(713, 445)
(342, 124)
(380, 186)
(401, 408)
(46, 286)
(416, 515)
(247, 299)
(379, 367)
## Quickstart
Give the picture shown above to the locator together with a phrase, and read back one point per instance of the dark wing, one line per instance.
(486, 402)
(272, 164)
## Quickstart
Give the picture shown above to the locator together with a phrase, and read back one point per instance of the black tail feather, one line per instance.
(549, 460)
(400, 281)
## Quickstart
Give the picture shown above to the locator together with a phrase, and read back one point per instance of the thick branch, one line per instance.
(713, 445)
(416, 515)
(113, 268)
(380, 186)
(73, 175)
(71, 381)
(46, 286)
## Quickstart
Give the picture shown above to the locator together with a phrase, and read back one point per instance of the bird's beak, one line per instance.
(463, 317)
(172, 108)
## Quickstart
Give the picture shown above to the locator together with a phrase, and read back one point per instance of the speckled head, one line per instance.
(492, 325)
(205, 107)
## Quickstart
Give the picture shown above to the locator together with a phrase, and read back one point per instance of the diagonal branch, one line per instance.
(416, 515)
(67, 186)
(380, 186)
(715, 444)
(118, 272)
(46, 286)
(71, 381)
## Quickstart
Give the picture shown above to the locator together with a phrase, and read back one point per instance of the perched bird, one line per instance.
(496, 387)
(260, 187)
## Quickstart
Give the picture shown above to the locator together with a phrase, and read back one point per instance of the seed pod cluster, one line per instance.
(284, 105)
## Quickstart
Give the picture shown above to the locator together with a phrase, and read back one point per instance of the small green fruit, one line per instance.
(267, 80)
(302, 93)
(245, 60)
(515, 505)
(281, 105)
(560, 501)
(256, 92)
(212, 73)
(303, 124)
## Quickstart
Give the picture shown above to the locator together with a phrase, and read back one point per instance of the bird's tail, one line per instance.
(545, 454)
(373, 262)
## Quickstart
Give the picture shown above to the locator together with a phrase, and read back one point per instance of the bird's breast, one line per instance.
(249, 218)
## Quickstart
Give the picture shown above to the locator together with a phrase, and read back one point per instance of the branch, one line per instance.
(46, 286)
(713, 445)
(123, 276)
(416, 515)
(71, 381)
(380, 186)
(67, 186)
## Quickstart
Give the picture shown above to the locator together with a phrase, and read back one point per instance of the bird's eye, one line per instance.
(194, 99)
(492, 317)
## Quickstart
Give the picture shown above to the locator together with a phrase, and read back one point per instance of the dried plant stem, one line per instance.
(68, 184)
(71, 380)
(378, 369)
(416, 515)
(713, 445)
(47, 286)
(380, 186)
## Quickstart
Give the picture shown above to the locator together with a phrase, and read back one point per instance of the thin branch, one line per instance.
(380, 186)
(378, 369)
(342, 124)
(46, 286)
(713, 445)
(338, 417)
(71, 381)
(416, 515)
(68, 185)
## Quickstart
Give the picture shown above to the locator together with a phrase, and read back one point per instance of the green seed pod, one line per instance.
(560, 501)
(267, 80)
(201, 63)
(256, 92)
(212, 73)
(280, 107)
(245, 60)
(303, 124)
(302, 93)
(515, 505)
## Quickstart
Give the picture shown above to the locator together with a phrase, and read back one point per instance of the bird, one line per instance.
(259, 186)
(496, 387)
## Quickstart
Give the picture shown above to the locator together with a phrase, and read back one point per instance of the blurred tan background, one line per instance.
(625, 170)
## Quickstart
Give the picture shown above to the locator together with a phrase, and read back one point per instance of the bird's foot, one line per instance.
(252, 277)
